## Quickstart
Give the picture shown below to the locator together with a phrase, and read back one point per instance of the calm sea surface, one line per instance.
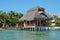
(29, 35)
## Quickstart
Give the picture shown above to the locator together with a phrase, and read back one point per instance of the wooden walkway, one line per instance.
(38, 28)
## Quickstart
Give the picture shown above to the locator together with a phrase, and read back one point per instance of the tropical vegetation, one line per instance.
(57, 18)
(9, 19)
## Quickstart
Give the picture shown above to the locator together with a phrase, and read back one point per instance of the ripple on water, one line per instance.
(29, 35)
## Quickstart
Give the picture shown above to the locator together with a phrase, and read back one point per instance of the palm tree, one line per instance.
(14, 16)
(9, 18)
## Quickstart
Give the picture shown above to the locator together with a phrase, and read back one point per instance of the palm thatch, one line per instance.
(37, 13)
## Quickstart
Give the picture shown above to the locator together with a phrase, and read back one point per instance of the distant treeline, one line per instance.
(9, 19)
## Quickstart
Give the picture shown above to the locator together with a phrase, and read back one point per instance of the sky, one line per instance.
(51, 6)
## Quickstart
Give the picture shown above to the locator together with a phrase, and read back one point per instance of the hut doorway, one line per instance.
(43, 23)
(38, 23)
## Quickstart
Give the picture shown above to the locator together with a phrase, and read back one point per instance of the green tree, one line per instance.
(57, 20)
(9, 18)
(14, 16)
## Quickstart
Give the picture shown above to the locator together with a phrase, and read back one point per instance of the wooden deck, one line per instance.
(37, 28)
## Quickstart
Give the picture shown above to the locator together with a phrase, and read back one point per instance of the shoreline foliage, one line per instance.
(9, 18)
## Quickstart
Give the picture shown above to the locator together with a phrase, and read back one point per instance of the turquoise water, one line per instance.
(29, 35)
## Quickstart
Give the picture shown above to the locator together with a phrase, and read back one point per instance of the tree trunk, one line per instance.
(3, 24)
(16, 25)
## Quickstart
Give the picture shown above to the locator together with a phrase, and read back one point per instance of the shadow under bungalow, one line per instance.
(36, 18)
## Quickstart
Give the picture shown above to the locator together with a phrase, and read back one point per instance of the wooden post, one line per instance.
(37, 22)
(40, 22)
(24, 24)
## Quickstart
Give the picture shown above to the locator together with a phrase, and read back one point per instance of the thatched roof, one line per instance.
(37, 13)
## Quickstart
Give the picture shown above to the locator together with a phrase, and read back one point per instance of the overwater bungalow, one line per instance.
(36, 17)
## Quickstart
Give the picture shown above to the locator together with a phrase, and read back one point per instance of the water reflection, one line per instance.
(29, 35)
(35, 35)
